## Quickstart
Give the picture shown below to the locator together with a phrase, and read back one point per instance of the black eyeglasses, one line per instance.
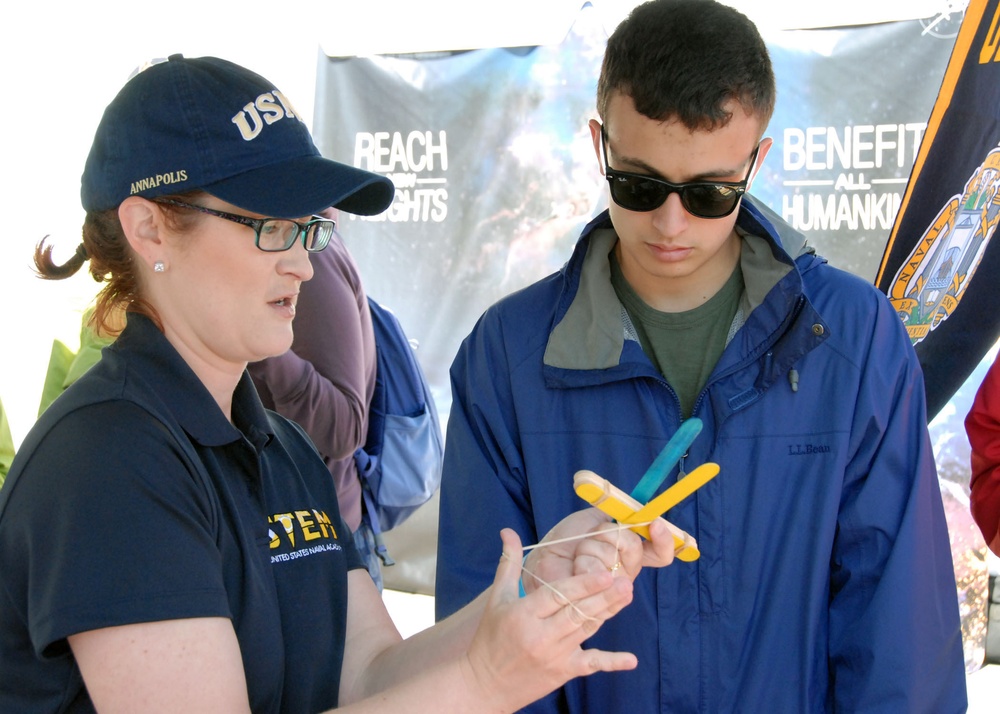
(274, 235)
(704, 199)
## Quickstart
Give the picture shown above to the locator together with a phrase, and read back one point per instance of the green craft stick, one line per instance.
(668, 458)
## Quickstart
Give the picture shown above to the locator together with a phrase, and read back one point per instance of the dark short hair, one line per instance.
(685, 60)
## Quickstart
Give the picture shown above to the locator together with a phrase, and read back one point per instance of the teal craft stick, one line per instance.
(668, 458)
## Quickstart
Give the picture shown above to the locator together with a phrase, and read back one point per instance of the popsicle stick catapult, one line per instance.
(628, 509)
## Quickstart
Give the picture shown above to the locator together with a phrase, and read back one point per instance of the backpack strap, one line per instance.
(365, 464)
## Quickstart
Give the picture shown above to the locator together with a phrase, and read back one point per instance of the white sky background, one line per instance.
(63, 63)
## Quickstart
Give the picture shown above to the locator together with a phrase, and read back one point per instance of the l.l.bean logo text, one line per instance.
(807, 449)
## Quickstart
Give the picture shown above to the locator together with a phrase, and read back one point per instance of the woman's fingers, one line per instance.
(610, 546)
(575, 608)
(537, 639)
(591, 661)
(587, 542)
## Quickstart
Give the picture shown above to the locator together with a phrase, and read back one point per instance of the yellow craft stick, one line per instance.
(603, 494)
(675, 494)
(600, 492)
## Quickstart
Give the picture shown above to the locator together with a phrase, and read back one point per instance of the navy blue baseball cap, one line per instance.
(206, 123)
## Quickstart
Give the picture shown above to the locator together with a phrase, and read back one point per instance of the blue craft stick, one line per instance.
(664, 463)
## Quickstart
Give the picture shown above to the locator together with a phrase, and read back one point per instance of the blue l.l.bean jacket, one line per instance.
(825, 581)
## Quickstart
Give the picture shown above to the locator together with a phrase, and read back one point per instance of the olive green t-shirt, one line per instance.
(684, 346)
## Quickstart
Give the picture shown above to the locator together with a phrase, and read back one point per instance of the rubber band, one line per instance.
(520, 582)
(619, 528)
(563, 598)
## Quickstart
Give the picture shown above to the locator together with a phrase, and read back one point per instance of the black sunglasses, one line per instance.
(704, 199)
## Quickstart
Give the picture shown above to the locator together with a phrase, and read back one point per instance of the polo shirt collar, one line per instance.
(156, 362)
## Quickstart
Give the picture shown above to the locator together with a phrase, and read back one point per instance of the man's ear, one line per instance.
(142, 223)
(595, 135)
(765, 146)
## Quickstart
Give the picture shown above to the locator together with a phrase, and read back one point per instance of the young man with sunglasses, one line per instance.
(825, 580)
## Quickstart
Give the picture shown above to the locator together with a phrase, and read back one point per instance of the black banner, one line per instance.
(942, 236)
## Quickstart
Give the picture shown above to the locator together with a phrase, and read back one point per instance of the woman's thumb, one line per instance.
(509, 572)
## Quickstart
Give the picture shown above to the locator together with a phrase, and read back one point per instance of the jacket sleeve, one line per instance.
(323, 382)
(482, 486)
(895, 633)
(983, 427)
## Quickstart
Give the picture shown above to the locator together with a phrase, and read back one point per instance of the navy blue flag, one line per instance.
(942, 234)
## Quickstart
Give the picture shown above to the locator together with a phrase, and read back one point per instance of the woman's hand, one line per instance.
(525, 648)
(611, 547)
(506, 651)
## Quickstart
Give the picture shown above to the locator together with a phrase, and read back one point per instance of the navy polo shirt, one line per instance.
(133, 499)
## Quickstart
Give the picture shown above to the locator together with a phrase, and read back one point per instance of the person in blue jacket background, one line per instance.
(825, 581)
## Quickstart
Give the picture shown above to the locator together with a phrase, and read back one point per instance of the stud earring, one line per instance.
(159, 267)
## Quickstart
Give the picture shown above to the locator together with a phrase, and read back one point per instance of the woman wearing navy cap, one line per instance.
(166, 544)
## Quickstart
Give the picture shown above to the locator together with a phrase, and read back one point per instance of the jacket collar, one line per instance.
(592, 327)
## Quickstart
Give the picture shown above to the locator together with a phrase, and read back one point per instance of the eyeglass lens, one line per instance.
(277, 234)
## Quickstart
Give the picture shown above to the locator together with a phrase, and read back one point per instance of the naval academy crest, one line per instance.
(932, 280)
